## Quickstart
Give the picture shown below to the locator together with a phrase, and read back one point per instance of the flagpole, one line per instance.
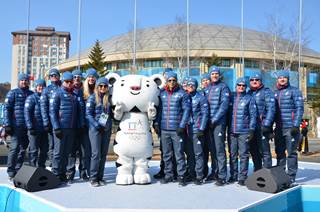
(28, 29)
(134, 35)
(79, 33)
(241, 40)
(188, 40)
(300, 28)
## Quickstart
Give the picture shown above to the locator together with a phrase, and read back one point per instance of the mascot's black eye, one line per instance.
(147, 85)
(122, 84)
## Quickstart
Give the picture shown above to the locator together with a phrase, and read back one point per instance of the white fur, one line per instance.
(134, 140)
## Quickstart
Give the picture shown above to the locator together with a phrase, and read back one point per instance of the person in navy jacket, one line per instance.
(174, 110)
(99, 114)
(157, 130)
(289, 113)
(81, 145)
(259, 146)
(205, 82)
(218, 95)
(196, 127)
(64, 115)
(38, 137)
(15, 125)
(242, 126)
(54, 77)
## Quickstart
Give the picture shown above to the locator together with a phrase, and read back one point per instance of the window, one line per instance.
(123, 65)
(312, 79)
(194, 63)
(225, 62)
(251, 64)
(153, 63)
(53, 41)
(109, 66)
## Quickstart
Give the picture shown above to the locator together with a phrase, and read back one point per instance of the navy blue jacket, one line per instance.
(200, 111)
(93, 112)
(174, 109)
(32, 112)
(218, 95)
(265, 102)
(14, 107)
(289, 107)
(243, 113)
(44, 102)
(64, 109)
(81, 119)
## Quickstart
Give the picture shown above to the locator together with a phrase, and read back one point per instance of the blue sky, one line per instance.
(102, 19)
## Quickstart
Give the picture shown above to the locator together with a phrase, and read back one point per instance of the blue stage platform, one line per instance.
(80, 196)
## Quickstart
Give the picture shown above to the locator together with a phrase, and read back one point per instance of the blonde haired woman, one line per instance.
(98, 114)
(89, 83)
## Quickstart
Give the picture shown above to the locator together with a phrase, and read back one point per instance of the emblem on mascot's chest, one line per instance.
(134, 125)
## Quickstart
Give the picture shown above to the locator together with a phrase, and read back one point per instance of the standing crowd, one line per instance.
(195, 123)
(72, 118)
(59, 123)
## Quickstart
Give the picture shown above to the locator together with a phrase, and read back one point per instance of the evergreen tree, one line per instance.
(97, 59)
(214, 60)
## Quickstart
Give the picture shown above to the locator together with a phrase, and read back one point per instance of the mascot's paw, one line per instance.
(152, 111)
(142, 178)
(124, 179)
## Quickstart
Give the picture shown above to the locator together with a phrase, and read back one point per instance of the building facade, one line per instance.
(45, 48)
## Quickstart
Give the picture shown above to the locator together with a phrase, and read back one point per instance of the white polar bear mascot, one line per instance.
(134, 98)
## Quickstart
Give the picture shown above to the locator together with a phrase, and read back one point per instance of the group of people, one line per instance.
(71, 118)
(195, 123)
(67, 119)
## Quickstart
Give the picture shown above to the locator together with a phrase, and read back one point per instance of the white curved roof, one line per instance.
(202, 36)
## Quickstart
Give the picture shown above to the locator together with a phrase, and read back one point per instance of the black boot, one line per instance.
(159, 175)
(182, 181)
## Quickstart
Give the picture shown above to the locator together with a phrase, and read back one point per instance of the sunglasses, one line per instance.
(53, 75)
(256, 80)
(76, 77)
(241, 85)
(172, 80)
(103, 86)
(68, 81)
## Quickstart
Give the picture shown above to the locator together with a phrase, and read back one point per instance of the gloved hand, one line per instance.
(8, 130)
(156, 129)
(250, 135)
(212, 125)
(266, 130)
(200, 134)
(180, 132)
(32, 131)
(101, 129)
(58, 133)
(46, 128)
(294, 131)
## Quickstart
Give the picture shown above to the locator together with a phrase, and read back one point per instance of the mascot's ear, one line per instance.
(159, 80)
(112, 77)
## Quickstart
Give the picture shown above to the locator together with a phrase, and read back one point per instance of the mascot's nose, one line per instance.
(135, 88)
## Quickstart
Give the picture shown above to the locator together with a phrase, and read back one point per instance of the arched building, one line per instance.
(165, 46)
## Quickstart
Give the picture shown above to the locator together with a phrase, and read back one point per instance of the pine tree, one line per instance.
(97, 59)
(214, 60)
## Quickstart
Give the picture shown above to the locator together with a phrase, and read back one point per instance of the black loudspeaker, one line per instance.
(270, 180)
(35, 179)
